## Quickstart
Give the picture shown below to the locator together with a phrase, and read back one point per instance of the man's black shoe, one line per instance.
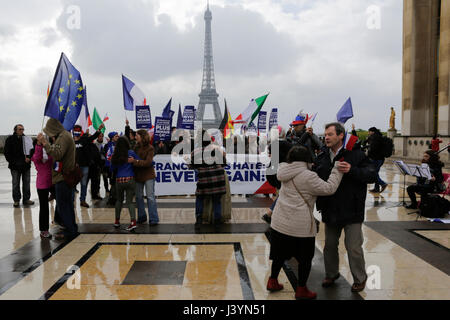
(412, 206)
(266, 218)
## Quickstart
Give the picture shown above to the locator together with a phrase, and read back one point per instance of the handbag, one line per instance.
(72, 177)
(311, 210)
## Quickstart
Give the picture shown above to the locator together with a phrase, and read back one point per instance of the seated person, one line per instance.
(424, 186)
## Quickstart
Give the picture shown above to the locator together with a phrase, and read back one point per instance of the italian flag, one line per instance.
(97, 121)
(252, 110)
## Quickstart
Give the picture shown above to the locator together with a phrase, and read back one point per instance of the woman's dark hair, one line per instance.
(376, 131)
(299, 153)
(120, 155)
(434, 159)
(145, 137)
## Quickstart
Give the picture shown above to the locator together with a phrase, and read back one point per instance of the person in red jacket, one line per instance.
(435, 143)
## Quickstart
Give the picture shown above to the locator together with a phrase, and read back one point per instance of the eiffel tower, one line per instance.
(208, 95)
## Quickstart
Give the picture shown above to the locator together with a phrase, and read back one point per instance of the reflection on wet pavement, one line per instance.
(211, 263)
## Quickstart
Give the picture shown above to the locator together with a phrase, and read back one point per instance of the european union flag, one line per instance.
(65, 99)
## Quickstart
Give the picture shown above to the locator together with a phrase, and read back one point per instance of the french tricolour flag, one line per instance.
(350, 141)
(132, 95)
(85, 118)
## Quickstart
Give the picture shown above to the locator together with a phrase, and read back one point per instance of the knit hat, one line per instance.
(301, 118)
(112, 134)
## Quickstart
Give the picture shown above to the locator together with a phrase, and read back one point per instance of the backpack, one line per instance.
(387, 147)
(434, 206)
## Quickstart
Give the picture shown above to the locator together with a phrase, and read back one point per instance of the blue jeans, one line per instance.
(378, 164)
(216, 204)
(66, 211)
(84, 183)
(25, 185)
(151, 201)
(273, 204)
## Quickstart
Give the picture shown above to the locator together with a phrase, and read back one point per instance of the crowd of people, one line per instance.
(334, 179)
(312, 172)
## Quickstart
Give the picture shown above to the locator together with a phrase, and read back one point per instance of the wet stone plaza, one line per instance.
(407, 257)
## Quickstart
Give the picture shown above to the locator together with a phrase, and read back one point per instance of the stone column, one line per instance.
(444, 70)
(419, 67)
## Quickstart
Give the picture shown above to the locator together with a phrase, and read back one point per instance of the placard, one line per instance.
(143, 117)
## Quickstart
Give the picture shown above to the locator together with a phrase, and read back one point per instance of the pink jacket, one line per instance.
(44, 170)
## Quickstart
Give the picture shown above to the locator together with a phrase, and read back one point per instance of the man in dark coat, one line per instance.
(84, 157)
(95, 168)
(19, 164)
(375, 153)
(345, 209)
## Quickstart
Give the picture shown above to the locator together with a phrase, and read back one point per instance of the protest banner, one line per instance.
(162, 129)
(188, 118)
(246, 173)
(262, 122)
(273, 120)
(143, 117)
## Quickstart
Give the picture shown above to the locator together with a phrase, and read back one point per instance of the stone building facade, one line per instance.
(426, 76)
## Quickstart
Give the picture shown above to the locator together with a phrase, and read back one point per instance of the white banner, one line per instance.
(246, 173)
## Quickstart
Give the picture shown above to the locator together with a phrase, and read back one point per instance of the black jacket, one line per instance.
(84, 157)
(95, 155)
(284, 147)
(347, 205)
(162, 150)
(303, 138)
(375, 145)
(14, 153)
(436, 171)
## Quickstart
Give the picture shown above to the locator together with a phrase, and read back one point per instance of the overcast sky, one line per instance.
(309, 54)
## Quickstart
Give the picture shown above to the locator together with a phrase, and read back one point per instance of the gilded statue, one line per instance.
(392, 119)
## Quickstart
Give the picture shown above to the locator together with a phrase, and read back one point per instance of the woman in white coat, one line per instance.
(293, 227)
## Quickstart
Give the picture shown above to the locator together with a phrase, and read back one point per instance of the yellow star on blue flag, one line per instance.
(64, 101)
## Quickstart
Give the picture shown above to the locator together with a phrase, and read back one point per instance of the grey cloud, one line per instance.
(28, 12)
(250, 58)
(49, 36)
(7, 31)
(39, 81)
(6, 66)
(122, 38)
